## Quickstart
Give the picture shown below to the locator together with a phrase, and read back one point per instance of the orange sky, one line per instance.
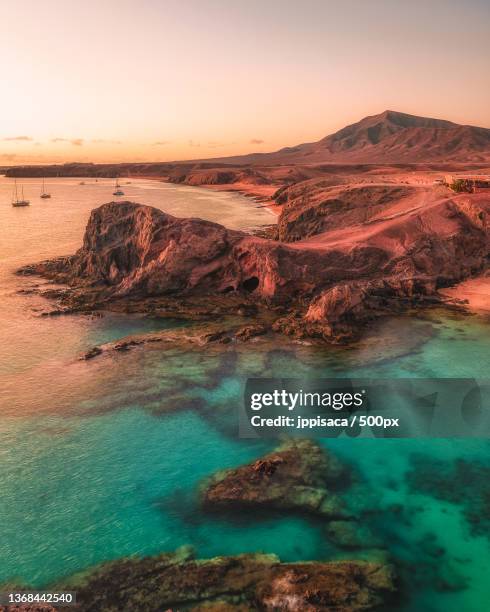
(156, 80)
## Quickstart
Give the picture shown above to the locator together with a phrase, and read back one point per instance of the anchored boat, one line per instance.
(44, 194)
(117, 189)
(16, 200)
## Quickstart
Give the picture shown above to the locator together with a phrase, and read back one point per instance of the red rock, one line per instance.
(328, 284)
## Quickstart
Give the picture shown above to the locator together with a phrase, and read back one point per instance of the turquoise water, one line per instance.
(102, 459)
(113, 476)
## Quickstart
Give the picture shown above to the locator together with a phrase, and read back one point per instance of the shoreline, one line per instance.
(252, 192)
(261, 194)
(472, 294)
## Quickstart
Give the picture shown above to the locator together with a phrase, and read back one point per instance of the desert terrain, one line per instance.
(367, 225)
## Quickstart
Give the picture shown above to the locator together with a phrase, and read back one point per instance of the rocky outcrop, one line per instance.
(244, 583)
(297, 476)
(216, 176)
(318, 205)
(335, 312)
(130, 249)
(389, 256)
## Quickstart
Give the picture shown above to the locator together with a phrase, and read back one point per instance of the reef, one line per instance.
(296, 476)
(244, 583)
(462, 482)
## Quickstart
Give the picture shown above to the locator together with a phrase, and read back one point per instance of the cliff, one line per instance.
(327, 285)
(315, 206)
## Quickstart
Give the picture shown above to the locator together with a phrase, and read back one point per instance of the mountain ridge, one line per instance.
(388, 137)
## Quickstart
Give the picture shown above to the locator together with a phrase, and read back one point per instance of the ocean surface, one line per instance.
(103, 459)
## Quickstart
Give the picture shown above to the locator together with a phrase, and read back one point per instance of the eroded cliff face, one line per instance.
(315, 206)
(131, 249)
(328, 285)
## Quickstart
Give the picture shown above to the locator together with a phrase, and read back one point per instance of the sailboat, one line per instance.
(16, 201)
(118, 191)
(44, 194)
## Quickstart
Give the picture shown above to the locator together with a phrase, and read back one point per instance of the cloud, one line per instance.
(20, 159)
(191, 143)
(18, 138)
(103, 141)
(160, 143)
(77, 142)
(256, 141)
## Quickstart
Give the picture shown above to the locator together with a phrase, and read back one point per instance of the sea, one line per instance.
(103, 459)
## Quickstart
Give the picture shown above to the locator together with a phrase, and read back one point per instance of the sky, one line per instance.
(160, 80)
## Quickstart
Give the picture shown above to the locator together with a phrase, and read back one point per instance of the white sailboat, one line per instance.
(44, 194)
(16, 200)
(117, 189)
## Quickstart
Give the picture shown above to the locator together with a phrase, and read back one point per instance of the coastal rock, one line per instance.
(393, 254)
(93, 352)
(250, 331)
(317, 205)
(241, 583)
(135, 250)
(296, 476)
(17, 587)
(196, 175)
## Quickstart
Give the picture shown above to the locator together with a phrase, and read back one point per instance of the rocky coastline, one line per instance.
(293, 478)
(367, 252)
(244, 583)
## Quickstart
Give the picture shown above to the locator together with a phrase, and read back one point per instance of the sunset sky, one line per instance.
(156, 80)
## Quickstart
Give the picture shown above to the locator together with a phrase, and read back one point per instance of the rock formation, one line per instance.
(315, 206)
(378, 251)
(294, 477)
(244, 583)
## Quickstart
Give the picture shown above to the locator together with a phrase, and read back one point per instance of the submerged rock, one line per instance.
(462, 482)
(91, 353)
(351, 535)
(294, 477)
(241, 583)
(250, 331)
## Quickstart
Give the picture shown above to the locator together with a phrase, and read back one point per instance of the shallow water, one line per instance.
(102, 459)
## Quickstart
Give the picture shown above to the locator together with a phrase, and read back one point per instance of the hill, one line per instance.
(390, 137)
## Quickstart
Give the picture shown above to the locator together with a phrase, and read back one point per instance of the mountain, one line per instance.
(390, 137)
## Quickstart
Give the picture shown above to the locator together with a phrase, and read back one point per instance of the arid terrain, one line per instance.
(367, 226)
(353, 241)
